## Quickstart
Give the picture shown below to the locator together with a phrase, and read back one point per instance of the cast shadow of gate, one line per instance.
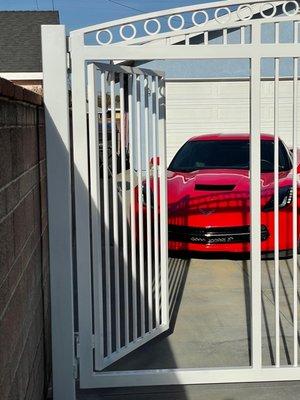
(158, 354)
(268, 310)
(286, 312)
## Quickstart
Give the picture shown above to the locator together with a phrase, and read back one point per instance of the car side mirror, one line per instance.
(153, 159)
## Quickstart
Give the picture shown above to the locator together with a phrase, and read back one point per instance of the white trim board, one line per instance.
(22, 76)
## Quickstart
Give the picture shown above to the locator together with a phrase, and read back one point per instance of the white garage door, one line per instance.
(195, 107)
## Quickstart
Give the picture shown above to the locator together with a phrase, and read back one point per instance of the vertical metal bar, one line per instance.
(140, 82)
(124, 208)
(295, 208)
(205, 37)
(131, 94)
(242, 35)
(59, 208)
(148, 203)
(276, 210)
(225, 36)
(155, 196)
(96, 212)
(255, 172)
(163, 208)
(276, 32)
(115, 209)
(106, 211)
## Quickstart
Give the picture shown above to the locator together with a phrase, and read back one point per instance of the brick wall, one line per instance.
(24, 266)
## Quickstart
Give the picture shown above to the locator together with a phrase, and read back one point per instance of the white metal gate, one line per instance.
(102, 220)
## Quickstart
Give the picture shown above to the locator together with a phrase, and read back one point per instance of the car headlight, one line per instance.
(285, 196)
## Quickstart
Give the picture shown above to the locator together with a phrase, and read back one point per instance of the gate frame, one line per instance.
(53, 38)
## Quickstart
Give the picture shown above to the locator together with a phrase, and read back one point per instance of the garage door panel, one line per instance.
(193, 115)
(233, 90)
(285, 90)
(198, 107)
(174, 89)
(203, 103)
(229, 113)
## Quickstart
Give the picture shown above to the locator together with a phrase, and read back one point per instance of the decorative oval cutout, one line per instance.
(170, 19)
(240, 10)
(196, 14)
(218, 17)
(289, 13)
(263, 11)
(131, 26)
(158, 26)
(105, 31)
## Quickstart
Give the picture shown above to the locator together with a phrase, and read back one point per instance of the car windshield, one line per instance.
(227, 154)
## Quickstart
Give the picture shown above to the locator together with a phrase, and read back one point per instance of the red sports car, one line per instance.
(209, 195)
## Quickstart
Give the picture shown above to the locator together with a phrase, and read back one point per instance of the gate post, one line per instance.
(56, 102)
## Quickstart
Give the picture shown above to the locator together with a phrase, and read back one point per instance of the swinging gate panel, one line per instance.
(129, 252)
(110, 246)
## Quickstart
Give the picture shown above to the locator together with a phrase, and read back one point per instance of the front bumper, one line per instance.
(201, 234)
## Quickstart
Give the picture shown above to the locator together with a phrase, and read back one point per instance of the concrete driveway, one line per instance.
(211, 327)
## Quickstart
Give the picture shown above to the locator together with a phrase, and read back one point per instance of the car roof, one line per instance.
(229, 136)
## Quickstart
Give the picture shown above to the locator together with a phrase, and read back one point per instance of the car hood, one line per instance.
(212, 187)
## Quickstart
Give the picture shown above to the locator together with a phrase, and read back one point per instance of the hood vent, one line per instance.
(214, 187)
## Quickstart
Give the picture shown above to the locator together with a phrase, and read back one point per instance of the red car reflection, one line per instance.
(209, 195)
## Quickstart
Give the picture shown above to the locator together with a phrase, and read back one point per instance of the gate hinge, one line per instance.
(69, 66)
(69, 61)
(76, 358)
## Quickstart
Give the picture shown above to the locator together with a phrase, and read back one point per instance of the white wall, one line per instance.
(212, 106)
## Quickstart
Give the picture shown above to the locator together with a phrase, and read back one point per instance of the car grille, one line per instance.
(238, 234)
(214, 188)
